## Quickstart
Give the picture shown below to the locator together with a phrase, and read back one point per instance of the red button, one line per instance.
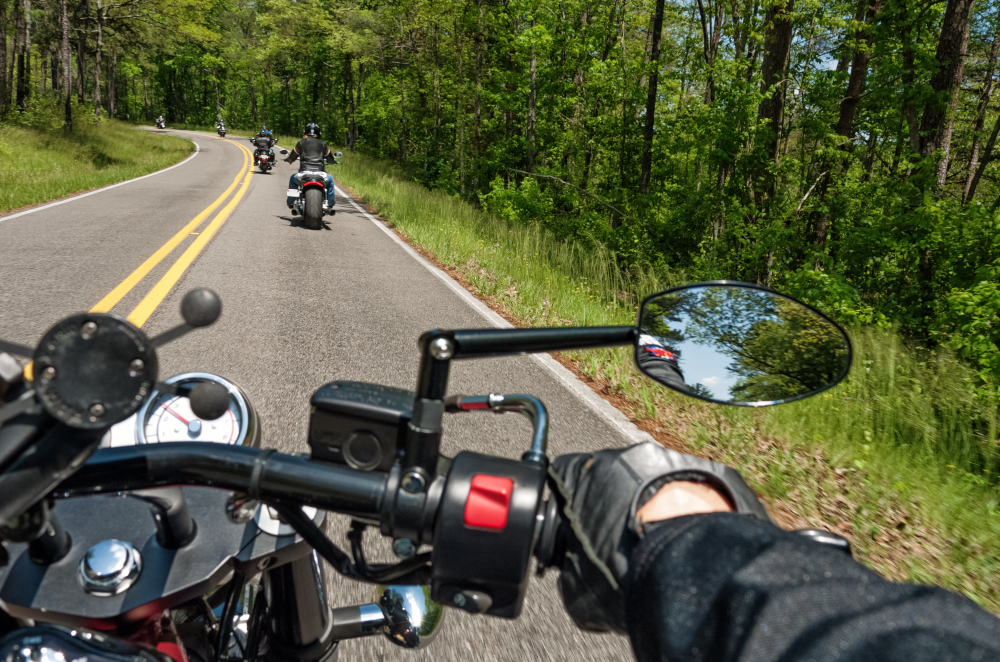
(488, 502)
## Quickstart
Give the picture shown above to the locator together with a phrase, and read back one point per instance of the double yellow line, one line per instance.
(141, 313)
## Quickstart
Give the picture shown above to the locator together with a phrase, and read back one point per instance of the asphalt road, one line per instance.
(300, 308)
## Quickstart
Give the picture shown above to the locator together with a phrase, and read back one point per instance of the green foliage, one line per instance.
(969, 322)
(90, 157)
(833, 295)
(524, 202)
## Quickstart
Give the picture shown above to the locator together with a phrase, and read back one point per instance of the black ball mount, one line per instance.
(93, 370)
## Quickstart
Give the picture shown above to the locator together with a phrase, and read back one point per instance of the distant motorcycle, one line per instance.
(161, 123)
(222, 130)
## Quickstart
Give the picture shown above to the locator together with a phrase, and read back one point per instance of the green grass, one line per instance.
(900, 458)
(41, 162)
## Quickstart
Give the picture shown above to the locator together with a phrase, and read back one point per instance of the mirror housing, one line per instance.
(412, 619)
(739, 344)
(283, 151)
(337, 155)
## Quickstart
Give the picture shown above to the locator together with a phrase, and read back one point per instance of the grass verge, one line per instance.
(900, 458)
(38, 165)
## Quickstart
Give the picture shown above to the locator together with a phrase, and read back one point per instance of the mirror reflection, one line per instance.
(737, 344)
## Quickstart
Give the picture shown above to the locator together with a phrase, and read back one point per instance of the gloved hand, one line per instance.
(599, 494)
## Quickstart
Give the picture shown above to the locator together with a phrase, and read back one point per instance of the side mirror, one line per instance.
(283, 151)
(337, 155)
(739, 344)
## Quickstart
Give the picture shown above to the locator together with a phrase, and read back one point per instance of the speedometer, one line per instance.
(165, 417)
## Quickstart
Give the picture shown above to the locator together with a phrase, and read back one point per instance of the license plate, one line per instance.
(293, 193)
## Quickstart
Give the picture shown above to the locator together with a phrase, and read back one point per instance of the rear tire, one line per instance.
(313, 211)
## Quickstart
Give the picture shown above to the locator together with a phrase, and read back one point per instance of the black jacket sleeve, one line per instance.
(726, 587)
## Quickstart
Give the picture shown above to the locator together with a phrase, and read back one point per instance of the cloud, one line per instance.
(710, 381)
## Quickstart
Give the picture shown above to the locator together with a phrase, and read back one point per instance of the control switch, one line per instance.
(488, 502)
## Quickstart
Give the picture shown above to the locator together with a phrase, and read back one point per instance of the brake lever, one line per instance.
(527, 405)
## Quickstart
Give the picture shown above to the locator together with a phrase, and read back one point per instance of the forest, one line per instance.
(842, 151)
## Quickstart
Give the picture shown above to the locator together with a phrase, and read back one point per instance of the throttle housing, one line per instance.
(485, 532)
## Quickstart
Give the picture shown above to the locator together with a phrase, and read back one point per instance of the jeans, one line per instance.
(293, 184)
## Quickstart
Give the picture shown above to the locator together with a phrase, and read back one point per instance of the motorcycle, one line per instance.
(161, 123)
(141, 520)
(264, 160)
(311, 199)
(222, 131)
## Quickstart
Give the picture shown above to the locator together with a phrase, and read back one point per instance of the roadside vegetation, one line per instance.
(40, 161)
(901, 458)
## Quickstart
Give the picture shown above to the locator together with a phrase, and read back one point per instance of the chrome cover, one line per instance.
(110, 567)
(413, 618)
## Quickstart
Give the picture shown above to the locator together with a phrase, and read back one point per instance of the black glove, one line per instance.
(599, 494)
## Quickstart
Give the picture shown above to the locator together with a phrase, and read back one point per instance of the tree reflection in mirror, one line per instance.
(739, 344)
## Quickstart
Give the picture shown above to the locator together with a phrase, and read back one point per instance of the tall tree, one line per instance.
(938, 121)
(651, 94)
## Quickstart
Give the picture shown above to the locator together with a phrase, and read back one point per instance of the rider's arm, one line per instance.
(724, 586)
(293, 154)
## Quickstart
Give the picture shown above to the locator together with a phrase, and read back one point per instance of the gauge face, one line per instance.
(164, 418)
(171, 419)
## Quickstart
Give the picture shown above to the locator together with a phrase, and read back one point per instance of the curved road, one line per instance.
(300, 308)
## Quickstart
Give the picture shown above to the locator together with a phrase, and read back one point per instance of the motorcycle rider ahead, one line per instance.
(263, 141)
(312, 154)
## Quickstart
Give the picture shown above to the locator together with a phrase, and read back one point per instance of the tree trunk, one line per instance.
(654, 76)
(113, 84)
(80, 50)
(349, 85)
(476, 102)
(253, 98)
(402, 123)
(19, 25)
(531, 108)
(26, 48)
(938, 122)
(461, 113)
(67, 64)
(777, 42)
(984, 102)
(859, 71)
(985, 160)
(609, 41)
(711, 31)
(97, 62)
(4, 79)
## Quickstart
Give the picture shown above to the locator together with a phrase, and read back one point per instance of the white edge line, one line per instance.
(597, 404)
(197, 149)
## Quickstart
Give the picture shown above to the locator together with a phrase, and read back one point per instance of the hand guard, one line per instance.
(599, 494)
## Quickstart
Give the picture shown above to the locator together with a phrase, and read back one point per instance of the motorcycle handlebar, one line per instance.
(262, 474)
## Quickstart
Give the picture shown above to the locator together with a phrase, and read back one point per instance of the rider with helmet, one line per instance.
(263, 141)
(312, 153)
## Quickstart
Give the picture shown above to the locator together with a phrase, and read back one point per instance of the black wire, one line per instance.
(228, 614)
(381, 573)
(413, 571)
(254, 626)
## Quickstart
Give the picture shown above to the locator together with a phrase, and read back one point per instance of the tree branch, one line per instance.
(806, 196)
(562, 181)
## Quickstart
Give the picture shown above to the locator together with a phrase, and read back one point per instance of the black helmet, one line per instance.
(312, 130)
